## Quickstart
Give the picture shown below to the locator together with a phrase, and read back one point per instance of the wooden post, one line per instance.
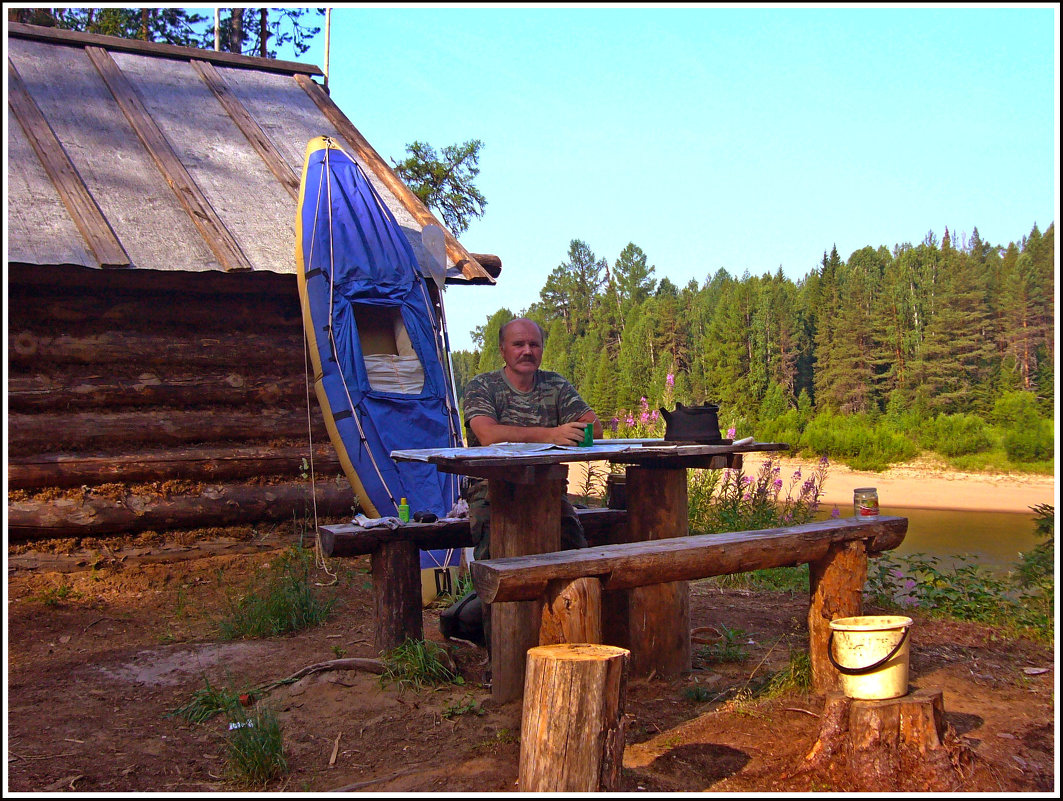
(572, 726)
(653, 622)
(525, 519)
(836, 584)
(396, 568)
(572, 612)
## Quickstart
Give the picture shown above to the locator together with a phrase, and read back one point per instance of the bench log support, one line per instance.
(572, 612)
(836, 585)
(836, 550)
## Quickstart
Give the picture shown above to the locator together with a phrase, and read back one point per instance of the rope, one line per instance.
(319, 556)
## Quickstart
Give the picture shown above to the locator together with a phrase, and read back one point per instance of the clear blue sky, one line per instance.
(745, 138)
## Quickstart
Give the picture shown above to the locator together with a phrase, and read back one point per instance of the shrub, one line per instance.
(863, 443)
(1031, 440)
(730, 500)
(958, 434)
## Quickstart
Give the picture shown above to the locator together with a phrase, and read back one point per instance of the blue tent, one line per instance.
(381, 368)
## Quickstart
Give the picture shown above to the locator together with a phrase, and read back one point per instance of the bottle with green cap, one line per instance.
(404, 511)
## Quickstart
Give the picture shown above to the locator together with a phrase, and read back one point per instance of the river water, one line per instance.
(993, 539)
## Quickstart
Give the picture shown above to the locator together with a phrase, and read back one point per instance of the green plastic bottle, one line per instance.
(588, 435)
(404, 511)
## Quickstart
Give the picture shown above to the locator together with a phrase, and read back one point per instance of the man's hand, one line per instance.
(489, 432)
(568, 433)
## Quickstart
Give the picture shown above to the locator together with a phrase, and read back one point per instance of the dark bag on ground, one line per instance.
(464, 620)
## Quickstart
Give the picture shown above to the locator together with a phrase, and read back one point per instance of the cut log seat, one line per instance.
(836, 551)
(396, 566)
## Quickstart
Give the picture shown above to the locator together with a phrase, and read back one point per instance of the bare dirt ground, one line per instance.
(104, 642)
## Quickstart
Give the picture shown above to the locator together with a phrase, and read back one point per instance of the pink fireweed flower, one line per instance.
(747, 479)
(730, 433)
(670, 380)
(797, 474)
(630, 420)
(835, 514)
(777, 483)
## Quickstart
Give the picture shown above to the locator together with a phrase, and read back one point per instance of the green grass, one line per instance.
(417, 664)
(731, 647)
(286, 602)
(794, 679)
(255, 747)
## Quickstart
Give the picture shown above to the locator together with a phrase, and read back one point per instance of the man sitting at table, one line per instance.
(521, 403)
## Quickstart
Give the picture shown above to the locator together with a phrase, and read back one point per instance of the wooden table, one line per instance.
(526, 483)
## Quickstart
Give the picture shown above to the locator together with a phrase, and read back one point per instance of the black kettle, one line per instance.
(693, 424)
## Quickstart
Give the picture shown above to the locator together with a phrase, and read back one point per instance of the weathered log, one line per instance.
(99, 310)
(280, 352)
(213, 505)
(350, 539)
(68, 391)
(211, 284)
(836, 585)
(572, 722)
(79, 431)
(636, 564)
(396, 594)
(188, 464)
(572, 612)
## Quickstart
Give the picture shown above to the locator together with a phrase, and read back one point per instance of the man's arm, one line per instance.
(489, 431)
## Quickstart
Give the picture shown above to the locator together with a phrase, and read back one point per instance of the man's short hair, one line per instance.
(504, 326)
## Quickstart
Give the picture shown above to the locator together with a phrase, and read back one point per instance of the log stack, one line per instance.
(143, 400)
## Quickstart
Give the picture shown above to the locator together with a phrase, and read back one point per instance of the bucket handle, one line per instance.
(849, 671)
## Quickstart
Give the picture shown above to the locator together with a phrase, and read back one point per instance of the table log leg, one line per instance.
(652, 622)
(525, 519)
(836, 585)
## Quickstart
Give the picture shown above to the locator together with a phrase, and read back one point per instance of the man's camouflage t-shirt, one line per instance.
(550, 402)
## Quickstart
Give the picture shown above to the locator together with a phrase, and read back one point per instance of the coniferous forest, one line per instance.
(945, 347)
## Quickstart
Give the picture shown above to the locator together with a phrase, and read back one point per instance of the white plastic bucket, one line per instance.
(871, 654)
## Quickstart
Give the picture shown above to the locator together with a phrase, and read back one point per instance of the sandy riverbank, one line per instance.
(918, 485)
(926, 485)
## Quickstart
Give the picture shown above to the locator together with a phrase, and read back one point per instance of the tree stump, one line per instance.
(879, 744)
(572, 612)
(572, 725)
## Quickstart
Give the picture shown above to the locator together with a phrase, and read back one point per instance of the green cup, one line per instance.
(588, 435)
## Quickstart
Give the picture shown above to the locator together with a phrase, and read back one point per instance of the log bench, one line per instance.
(573, 586)
(396, 567)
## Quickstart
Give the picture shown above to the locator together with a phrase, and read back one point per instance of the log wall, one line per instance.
(143, 400)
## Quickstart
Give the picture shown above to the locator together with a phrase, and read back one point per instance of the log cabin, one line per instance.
(157, 373)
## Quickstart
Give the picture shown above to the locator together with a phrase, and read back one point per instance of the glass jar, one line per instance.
(865, 502)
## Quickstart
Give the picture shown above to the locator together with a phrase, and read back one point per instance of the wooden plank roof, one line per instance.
(128, 154)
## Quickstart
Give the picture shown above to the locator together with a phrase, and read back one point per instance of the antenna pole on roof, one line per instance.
(217, 29)
(328, 25)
